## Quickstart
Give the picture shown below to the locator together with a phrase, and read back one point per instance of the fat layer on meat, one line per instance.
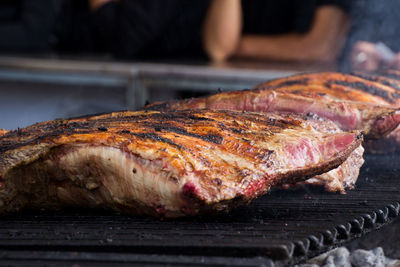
(339, 179)
(169, 164)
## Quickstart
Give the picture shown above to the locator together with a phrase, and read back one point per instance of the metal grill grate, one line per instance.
(285, 226)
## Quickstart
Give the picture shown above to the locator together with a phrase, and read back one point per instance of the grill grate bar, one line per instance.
(283, 225)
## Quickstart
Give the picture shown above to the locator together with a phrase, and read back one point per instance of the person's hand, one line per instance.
(365, 56)
(96, 4)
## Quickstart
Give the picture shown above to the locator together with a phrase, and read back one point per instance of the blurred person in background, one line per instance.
(27, 25)
(374, 39)
(140, 29)
(292, 30)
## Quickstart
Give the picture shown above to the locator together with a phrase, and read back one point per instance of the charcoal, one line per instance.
(338, 257)
(329, 262)
(380, 257)
(362, 258)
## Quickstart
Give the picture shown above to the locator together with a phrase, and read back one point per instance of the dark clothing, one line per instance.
(283, 16)
(144, 29)
(134, 29)
(26, 25)
(74, 28)
(140, 29)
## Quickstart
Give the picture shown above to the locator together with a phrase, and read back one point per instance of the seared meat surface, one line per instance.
(350, 101)
(169, 164)
(338, 86)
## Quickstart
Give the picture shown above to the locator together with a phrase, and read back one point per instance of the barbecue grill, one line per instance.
(283, 227)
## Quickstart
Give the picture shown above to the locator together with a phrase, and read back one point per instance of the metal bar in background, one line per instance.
(137, 94)
(139, 68)
(138, 78)
(104, 258)
(61, 78)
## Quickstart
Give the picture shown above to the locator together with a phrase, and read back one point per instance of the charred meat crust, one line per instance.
(379, 79)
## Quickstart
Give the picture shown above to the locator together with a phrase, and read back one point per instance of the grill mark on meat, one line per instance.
(178, 117)
(303, 81)
(234, 130)
(365, 76)
(364, 87)
(230, 129)
(383, 80)
(213, 138)
(157, 138)
(197, 118)
(161, 116)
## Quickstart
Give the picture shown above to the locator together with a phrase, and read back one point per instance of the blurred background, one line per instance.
(64, 58)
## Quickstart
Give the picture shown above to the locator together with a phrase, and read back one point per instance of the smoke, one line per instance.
(376, 21)
(22, 104)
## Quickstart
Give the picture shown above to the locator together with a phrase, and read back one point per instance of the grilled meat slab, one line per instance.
(169, 164)
(351, 102)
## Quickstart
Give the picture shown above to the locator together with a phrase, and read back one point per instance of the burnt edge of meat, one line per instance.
(183, 116)
(380, 79)
(86, 116)
(159, 106)
(41, 132)
(364, 87)
(302, 81)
